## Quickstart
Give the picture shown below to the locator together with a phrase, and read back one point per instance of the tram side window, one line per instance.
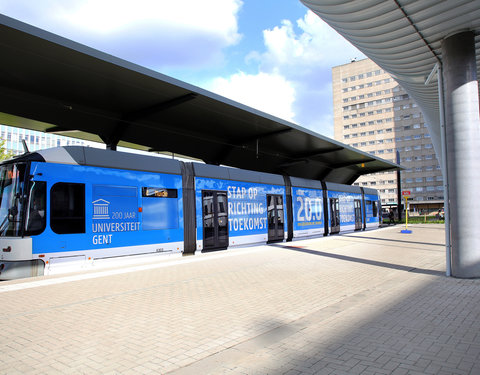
(36, 213)
(368, 207)
(374, 208)
(67, 208)
(159, 208)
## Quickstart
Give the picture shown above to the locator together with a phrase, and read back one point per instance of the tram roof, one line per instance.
(404, 37)
(54, 85)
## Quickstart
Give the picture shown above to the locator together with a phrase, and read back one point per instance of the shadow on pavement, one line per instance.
(364, 261)
(392, 240)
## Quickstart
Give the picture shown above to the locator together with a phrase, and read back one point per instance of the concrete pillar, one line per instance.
(462, 121)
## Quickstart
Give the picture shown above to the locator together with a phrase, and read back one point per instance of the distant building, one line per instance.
(35, 140)
(374, 114)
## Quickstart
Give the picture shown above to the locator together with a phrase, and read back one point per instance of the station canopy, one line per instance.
(404, 37)
(54, 85)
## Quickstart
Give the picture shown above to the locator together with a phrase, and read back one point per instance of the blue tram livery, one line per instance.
(78, 206)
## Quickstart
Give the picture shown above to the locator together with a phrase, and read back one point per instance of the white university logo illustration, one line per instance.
(100, 209)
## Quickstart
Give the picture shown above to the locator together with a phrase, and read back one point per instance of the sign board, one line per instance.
(406, 193)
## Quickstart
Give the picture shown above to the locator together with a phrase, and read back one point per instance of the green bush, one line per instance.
(420, 220)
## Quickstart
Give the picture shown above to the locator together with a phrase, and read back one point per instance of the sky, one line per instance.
(273, 55)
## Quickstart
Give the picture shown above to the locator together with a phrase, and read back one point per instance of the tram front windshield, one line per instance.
(12, 179)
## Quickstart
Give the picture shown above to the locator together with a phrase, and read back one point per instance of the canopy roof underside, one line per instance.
(52, 84)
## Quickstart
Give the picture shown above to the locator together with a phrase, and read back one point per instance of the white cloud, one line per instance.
(270, 93)
(315, 45)
(153, 33)
(303, 56)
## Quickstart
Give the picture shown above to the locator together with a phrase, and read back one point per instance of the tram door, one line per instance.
(275, 217)
(357, 206)
(334, 216)
(215, 220)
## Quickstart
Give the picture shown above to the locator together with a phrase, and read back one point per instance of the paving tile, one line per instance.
(348, 306)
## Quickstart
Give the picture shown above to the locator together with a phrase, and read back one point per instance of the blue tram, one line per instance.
(77, 206)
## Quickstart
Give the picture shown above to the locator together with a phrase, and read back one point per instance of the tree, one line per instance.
(4, 152)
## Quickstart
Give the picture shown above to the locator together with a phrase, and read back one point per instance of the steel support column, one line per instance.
(462, 128)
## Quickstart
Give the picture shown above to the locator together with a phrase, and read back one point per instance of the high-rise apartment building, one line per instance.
(373, 113)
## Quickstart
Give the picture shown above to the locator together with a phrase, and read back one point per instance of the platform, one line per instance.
(374, 302)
